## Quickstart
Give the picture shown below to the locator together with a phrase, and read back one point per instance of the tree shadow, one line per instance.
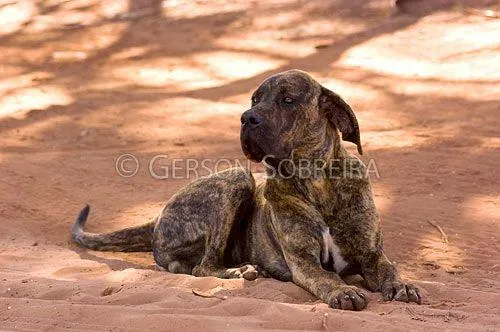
(61, 141)
(113, 264)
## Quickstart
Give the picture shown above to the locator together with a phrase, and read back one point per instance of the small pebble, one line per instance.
(107, 291)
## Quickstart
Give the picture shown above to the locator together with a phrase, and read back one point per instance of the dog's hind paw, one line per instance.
(248, 272)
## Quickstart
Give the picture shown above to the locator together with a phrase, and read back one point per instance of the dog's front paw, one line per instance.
(349, 298)
(248, 272)
(400, 291)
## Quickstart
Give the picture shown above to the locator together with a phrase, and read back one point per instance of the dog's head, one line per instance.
(292, 116)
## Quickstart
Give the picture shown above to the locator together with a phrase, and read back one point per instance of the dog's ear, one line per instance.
(340, 114)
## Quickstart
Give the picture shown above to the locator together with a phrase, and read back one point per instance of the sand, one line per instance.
(83, 82)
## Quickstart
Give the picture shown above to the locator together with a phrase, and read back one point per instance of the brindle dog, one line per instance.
(311, 227)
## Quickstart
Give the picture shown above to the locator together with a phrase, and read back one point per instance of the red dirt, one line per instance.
(82, 82)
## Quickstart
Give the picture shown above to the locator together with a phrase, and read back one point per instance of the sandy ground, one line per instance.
(83, 82)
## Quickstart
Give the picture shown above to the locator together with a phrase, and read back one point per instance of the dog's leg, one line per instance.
(328, 286)
(359, 216)
(193, 230)
(300, 235)
(229, 208)
(381, 275)
(216, 244)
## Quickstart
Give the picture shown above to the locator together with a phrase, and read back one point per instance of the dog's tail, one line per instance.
(137, 238)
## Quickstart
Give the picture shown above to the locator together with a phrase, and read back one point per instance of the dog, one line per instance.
(312, 227)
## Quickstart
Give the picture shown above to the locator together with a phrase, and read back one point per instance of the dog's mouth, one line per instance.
(251, 149)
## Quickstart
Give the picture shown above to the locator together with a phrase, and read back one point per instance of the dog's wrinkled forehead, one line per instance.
(294, 82)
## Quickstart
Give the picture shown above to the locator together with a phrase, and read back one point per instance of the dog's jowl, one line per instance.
(310, 221)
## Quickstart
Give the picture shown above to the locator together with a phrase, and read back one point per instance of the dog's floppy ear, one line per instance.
(341, 115)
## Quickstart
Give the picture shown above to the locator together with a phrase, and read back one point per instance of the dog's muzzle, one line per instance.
(250, 121)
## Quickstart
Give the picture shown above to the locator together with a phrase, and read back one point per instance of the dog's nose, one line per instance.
(251, 119)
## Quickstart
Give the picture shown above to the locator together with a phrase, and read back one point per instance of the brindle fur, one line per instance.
(225, 225)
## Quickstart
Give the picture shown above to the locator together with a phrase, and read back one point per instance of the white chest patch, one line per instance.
(332, 251)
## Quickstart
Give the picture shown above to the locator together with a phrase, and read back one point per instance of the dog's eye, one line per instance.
(288, 100)
(255, 100)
